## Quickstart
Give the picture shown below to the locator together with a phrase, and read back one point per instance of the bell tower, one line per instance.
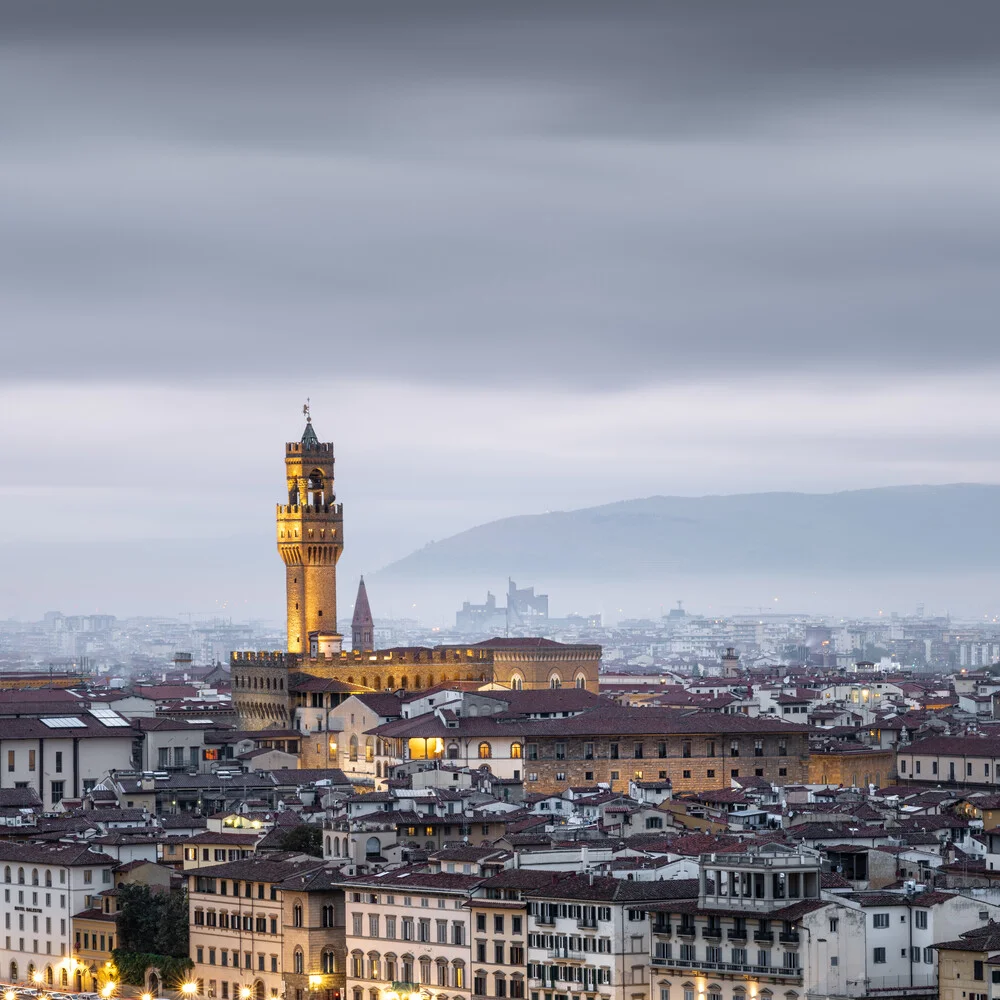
(310, 538)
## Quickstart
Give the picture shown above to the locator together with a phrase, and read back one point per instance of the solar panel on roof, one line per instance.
(64, 722)
(107, 717)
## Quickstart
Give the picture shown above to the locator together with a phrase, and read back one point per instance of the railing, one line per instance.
(545, 918)
(574, 953)
(789, 937)
(663, 927)
(687, 930)
(757, 970)
(587, 923)
(763, 936)
(712, 933)
(737, 934)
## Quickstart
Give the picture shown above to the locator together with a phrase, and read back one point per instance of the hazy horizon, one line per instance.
(521, 258)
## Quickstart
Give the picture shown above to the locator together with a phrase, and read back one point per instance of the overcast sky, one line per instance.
(521, 257)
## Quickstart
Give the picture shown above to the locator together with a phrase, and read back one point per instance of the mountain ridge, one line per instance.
(945, 527)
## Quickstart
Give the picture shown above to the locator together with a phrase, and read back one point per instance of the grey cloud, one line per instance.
(572, 193)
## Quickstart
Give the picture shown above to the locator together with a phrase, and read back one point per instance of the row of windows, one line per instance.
(637, 775)
(588, 915)
(616, 750)
(221, 886)
(502, 987)
(12, 761)
(879, 957)
(34, 898)
(21, 876)
(390, 900)
(499, 921)
(35, 923)
(514, 952)
(391, 969)
(34, 947)
(664, 952)
(224, 959)
(409, 929)
(95, 942)
(220, 853)
(587, 975)
(953, 768)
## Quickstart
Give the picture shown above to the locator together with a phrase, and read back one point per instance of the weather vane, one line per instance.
(305, 410)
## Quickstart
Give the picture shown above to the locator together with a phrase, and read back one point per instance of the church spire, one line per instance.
(363, 625)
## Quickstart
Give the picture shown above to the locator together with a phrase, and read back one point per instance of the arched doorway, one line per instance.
(258, 990)
(154, 984)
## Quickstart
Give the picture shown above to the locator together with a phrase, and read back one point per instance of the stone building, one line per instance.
(313, 956)
(852, 765)
(694, 751)
(310, 541)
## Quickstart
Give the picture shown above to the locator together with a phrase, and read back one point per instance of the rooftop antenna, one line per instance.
(305, 411)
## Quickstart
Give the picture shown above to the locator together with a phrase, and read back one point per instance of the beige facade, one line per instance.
(237, 926)
(408, 932)
(313, 956)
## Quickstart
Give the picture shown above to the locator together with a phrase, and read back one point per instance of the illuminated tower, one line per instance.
(310, 539)
(363, 625)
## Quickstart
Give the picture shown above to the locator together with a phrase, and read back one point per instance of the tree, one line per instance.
(152, 922)
(306, 839)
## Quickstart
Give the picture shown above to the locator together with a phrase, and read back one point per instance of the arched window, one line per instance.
(353, 754)
(517, 683)
(49, 978)
(378, 769)
(515, 751)
(297, 917)
(6, 873)
(13, 972)
(369, 749)
(390, 682)
(581, 681)
(20, 876)
(373, 847)
(442, 972)
(555, 682)
(485, 751)
(329, 961)
(458, 975)
(373, 966)
(48, 877)
(327, 846)
(258, 989)
(298, 960)
(453, 751)
(328, 917)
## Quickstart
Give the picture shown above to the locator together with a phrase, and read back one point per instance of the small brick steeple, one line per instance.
(363, 625)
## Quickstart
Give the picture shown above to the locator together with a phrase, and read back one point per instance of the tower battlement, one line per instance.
(263, 658)
(290, 509)
(299, 448)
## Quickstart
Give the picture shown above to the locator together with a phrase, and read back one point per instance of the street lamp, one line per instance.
(315, 982)
(189, 989)
(108, 989)
(36, 977)
(145, 996)
(245, 992)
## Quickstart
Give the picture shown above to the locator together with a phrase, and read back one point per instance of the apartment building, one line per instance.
(237, 924)
(969, 966)
(758, 928)
(314, 956)
(588, 936)
(408, 931)
(62, 757)
(44, 885)
(965, 760)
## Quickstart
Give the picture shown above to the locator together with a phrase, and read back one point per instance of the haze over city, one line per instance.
(518, 262)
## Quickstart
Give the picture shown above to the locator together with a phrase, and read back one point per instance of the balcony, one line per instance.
(573, 954)
(548, 919)
(789, 937)
(663, 927)
(742, 970)
(586, 923)
(712, 933)
(687, 930)
(401, 986)
(737, 934)
(767, 936)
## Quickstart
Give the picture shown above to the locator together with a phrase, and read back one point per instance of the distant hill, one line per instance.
(923, 529)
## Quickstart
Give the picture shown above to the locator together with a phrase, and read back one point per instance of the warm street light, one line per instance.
(315, 982)
(189, 989)
(108, 989)
(245, 992)
(145, 996)
(36, 977)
